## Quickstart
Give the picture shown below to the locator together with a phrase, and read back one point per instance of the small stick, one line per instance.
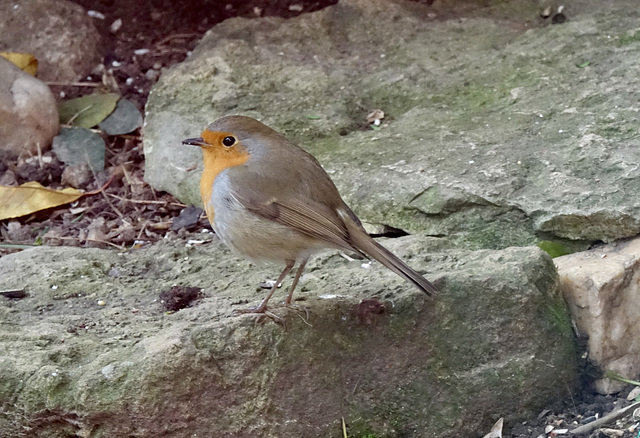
(176, 36)
(40, 162)
(92, 240)
(75, 84)
(106, 198)
(144, 201)
(610, 417)
(142, 229)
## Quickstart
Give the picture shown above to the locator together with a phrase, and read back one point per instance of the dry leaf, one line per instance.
(124, 119)
(25, 61)
(31, 197)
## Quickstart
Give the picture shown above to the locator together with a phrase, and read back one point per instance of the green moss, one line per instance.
(554, 249)
(628, 38)
(361, 429)
(558, 315)
(614, 132)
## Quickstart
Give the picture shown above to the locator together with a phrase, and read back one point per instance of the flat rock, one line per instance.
(498, 131)
(90, 352)
(58, 33)
(601, 288)
(28, 113)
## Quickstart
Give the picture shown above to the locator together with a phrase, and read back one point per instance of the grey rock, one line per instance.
(28, 113)
(90, 354)
(498, 131)
(58, 33)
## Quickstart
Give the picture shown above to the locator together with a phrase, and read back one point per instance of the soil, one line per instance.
(128, 212)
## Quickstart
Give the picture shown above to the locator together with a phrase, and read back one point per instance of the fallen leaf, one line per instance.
(25, 61)
(123, 120)
(77, 146)
(31, 197)
(87, 111)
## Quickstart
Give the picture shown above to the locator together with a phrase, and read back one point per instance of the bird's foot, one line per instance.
(261, 310)
(300, 309)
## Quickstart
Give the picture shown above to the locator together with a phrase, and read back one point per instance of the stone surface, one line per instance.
(89, 351)
(28, 113)
(58, 33)
(601, 288)
(499, 131)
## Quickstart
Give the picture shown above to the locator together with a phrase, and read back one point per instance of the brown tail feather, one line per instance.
(365, 243)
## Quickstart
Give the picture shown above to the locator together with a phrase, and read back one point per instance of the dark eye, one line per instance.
(228, 141)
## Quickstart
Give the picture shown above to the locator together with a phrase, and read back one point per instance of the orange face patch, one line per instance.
(218, 156)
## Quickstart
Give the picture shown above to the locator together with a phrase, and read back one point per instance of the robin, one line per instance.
(269, 200)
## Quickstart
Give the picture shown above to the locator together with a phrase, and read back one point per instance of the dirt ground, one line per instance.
(129, 212)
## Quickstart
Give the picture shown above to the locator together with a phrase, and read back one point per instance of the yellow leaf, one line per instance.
(25, 61)
(31, 197)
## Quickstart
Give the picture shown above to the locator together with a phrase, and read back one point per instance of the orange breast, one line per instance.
(217, 158)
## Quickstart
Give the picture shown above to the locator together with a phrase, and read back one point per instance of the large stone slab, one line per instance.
(90, 352)
(498, 131)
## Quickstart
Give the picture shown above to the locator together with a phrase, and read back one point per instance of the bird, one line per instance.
(269, 200)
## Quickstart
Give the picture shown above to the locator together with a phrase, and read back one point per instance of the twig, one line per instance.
(92, 240)
(106, 198)
(40, 162)
(176, 36)
(75, 84)
(125, 172)
(130, 136)
(612, 416)
(104, 186)
(164, 51)
(144, 226)
(144, 201)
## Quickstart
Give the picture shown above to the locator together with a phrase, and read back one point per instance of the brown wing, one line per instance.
(310, 218)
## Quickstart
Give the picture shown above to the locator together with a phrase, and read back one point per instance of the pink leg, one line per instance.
(263, 305)
(295, 280)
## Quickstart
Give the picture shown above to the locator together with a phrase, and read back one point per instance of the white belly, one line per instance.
(257, 238)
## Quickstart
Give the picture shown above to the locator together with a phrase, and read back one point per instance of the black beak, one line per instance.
(194, 141)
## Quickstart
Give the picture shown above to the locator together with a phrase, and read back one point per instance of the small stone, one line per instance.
(152, 74)
(116, 25)
(28, 112)
(96, 14)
